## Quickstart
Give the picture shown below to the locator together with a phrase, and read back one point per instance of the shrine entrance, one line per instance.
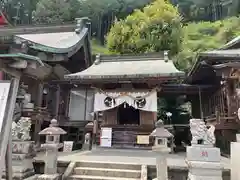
(128, 115)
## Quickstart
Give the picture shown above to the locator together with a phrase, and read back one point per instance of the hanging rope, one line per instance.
(128, 94)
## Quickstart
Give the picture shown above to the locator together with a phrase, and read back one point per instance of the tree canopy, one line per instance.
(52, 11)
(155, 28)
(140, 27)
(202, 36)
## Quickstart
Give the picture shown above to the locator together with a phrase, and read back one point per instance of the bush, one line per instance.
(156, 28)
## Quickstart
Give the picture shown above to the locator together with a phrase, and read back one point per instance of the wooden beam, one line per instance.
(9, 31)
(227, 65)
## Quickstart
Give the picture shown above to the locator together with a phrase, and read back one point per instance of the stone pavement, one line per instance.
(144, 157)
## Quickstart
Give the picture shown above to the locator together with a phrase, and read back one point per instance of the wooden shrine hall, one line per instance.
(219, 105)
(126, 89)
(61, 50)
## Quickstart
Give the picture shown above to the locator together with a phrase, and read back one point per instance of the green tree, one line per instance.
(18, 11)
(203, 36)
(157, 27)
(103, 13)
(52, 11)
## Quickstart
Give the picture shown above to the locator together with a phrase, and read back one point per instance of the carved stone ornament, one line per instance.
(200, 133)
(21, 129)
(87, 138)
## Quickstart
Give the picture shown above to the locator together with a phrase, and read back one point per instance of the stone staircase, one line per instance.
(104, 171)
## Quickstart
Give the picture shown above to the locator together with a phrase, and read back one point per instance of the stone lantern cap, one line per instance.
(53, 129)
(160, 131)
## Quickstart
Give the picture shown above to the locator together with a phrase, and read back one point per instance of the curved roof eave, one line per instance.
(57, 47)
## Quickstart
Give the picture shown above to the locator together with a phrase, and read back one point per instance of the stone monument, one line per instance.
(203, 159)
(52, 145)
(22, 149)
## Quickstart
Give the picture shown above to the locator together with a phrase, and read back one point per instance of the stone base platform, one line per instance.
(144, 157)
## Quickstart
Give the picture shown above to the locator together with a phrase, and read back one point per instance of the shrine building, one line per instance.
(126, 88)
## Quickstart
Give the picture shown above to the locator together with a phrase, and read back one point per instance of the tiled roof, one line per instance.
(134, 66)
(21, 56)
(62, 42)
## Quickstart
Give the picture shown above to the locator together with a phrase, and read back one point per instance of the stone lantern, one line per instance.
(161, 136)
(52, 145)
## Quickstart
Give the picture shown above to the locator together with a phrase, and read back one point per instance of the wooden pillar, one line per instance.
(67, 102)
(38, 120)
(57, 101)
(195, 107)
(228, 98)
(86, 55)
(1, 75)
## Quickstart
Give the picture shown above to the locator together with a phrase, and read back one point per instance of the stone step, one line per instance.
(126, 173)
(84, 177)
(108, 165)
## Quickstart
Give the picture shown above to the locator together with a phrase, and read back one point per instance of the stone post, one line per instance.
(162, 168)
(52, 145)
(235, 159)
(22, 149)
(203, 159)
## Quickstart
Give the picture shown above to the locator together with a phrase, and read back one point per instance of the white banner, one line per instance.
(146, 101)
(4, 92)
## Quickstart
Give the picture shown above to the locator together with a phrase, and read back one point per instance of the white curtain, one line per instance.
(108, 100)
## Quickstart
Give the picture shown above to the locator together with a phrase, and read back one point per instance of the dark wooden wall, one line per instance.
(146, 117)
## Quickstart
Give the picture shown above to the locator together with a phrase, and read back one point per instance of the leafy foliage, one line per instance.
(204, 36)
(175, 106)
(18, 11)
(97, 48)
(157, 27)
(103, 13)
(53, 11)
(207, 10)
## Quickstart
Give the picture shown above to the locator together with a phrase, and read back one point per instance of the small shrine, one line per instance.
(126, 88)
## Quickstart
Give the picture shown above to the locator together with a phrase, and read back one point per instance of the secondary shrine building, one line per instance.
(126, 90)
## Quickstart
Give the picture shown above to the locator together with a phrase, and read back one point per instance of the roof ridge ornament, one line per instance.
(97, 61)
(81, 22)
(165, 54)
